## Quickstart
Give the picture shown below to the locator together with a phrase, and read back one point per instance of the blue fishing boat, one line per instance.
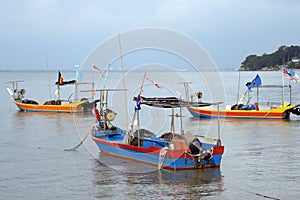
(171, 150)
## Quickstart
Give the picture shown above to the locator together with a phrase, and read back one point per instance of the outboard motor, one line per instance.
(19, 94)
(196, 148)
(296, 111)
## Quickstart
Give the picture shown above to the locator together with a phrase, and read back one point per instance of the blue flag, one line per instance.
(79, 76)
(138, 103)
(255, 82)
(294, 76)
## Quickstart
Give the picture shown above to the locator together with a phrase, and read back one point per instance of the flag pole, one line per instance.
(141, 89)
(93, 86)
(76, 83)
(108, 70)
(282, 98)
(238, 92)
(123, 79)
(137, 114)
(58, 83)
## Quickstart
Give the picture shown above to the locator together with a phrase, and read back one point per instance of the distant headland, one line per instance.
(285, 56)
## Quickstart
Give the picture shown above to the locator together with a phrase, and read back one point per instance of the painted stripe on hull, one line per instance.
(241, 114)
(69, 108)
(174, 161)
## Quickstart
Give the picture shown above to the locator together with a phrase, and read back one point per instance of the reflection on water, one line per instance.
(46, 120)
(133, 181)
(261, 156)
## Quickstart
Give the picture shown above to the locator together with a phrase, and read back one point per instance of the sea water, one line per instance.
(261, 157)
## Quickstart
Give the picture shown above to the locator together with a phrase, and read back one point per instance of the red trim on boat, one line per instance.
(239, 113)
(171, 153)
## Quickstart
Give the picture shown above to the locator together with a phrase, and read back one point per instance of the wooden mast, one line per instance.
(187, 96)
(219, 143)
(123, 79)
(238, 92)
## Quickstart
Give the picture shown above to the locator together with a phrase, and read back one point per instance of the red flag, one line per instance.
(291, 74)
(95, 68)
(154, 83)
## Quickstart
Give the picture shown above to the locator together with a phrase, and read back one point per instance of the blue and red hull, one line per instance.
(150, 153)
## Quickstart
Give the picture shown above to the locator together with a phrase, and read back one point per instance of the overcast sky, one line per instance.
(69, 30)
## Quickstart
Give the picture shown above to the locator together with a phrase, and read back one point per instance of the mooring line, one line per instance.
(261, 195)
(84, 138)
(265, 196)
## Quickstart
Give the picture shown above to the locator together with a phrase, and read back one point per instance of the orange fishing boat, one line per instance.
(273, 113)
(257, 110)
(57, 105)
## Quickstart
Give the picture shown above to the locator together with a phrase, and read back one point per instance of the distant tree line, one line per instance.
(284, 57)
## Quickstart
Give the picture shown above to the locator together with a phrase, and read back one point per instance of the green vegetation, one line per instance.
(284, 57)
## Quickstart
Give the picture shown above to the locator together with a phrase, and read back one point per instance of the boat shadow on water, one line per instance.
(265, 122)
(112, 172)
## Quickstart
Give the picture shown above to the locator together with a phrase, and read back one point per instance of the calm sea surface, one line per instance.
(261, 159)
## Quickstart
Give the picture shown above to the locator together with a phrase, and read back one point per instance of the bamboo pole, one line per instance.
(257, 96)
(238, 92)
(138, 112)
(219, 143)
(138, 124)
(282, 98)
(105, 80)
(290, 93)
(181, 123)
(123, 79)
(172, 122)
(218, 107)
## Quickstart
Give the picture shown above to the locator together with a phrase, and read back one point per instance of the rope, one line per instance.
(265, 196)
(85, 137)
(261, 195)
(162, 155)
(81, 142)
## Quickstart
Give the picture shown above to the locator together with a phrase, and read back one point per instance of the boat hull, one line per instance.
(68, 108)
(279, 113)
(150, 153)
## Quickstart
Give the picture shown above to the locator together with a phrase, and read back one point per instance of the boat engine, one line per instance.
(19, 94)
(197, 149)
(109, 117)
(295, 111)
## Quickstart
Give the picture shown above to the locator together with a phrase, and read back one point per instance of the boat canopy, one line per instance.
(170, 102)
(272, 86)
(66, 82)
